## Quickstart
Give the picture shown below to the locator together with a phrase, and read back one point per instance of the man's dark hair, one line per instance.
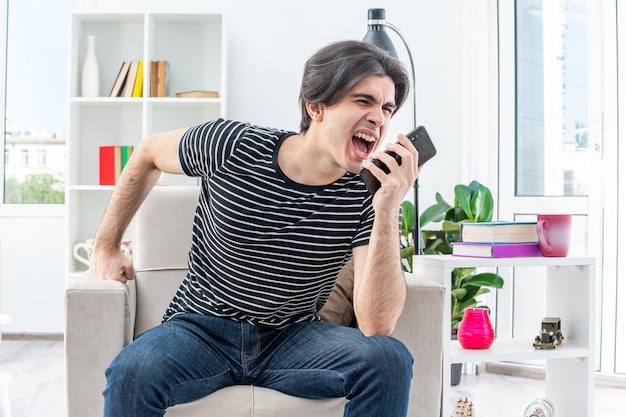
(334, 70)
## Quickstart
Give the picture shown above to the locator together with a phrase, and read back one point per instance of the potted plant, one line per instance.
(472, 203)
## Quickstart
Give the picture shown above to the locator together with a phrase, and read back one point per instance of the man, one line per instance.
(279, 214)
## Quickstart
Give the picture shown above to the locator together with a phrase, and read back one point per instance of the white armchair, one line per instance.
(104, 316)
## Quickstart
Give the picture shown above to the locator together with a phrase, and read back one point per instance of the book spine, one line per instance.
(138, 87)
(515, 251)
(154, 78)
(118, 162)
(162, 78)
(127, 151)
(113, 159)
(107, 165)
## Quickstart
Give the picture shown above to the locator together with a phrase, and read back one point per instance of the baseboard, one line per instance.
(538, 372)
(32, 336)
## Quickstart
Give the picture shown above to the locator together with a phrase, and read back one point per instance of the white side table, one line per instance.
(5, 378)
(570, 289)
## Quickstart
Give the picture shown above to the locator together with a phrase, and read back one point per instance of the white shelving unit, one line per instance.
(570, 295)
(195, 47)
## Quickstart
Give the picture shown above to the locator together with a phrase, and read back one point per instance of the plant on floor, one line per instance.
(472, 203)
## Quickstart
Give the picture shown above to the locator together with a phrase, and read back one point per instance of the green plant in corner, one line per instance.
(472, 203)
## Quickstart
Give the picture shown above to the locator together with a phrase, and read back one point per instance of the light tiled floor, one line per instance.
(495, 395)
(38, 386)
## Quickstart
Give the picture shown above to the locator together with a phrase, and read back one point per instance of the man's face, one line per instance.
(355, 126)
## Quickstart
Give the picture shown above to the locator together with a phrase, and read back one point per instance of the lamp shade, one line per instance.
(376, 32)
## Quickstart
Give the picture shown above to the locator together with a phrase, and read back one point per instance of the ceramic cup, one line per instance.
(82, 251)
(554, 231)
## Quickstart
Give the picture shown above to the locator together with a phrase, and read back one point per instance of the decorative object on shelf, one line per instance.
(463, 408)
(126, 247)
(554, 231)
(550, 335)
(541, 407)
(91, 74)
(475, 330)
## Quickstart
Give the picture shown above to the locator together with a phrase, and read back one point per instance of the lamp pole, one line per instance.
(376, 34)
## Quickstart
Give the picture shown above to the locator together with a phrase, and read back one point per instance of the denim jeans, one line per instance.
(191, 355)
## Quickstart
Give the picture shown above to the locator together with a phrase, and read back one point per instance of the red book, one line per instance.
(110, 159)
(112, 162)
(495, 250)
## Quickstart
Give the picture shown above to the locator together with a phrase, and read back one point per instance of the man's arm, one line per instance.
(155, 154)
(379, 285)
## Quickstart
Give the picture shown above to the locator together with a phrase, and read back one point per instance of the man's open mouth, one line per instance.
(363, 144)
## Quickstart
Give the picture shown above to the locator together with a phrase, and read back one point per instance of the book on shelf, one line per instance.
(198, 94)
(113, 159)
(159, 77)
(163, 76)
(120, 80)
(501, 232)
(130, 79)
(154, 78)
(495, 250)
(138, 86)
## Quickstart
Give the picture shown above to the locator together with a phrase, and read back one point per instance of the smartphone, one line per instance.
(420, 139)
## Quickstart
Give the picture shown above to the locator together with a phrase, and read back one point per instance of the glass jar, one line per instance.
(541, 407)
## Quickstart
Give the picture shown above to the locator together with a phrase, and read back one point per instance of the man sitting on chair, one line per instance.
(278, 216)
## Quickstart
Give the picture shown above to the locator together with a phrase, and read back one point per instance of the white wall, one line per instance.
(31, 270)
(268, 43)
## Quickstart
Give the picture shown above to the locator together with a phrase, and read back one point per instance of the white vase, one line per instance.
(91, 74)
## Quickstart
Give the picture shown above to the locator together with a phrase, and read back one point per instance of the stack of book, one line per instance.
(129, 80)
(112, 162)
(497, 240)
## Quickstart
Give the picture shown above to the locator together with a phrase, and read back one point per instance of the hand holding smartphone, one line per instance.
(420, 139)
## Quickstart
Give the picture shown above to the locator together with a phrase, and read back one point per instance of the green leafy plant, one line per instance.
(472, 203)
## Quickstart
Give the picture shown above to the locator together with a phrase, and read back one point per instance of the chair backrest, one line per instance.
(161, 242)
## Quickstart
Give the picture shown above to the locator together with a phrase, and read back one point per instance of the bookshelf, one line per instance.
(195, 48)
(570, 286)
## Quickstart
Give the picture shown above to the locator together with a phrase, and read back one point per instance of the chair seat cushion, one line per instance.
(249, 401)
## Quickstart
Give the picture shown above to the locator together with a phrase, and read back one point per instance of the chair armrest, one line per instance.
(98, 324)
(420, 328)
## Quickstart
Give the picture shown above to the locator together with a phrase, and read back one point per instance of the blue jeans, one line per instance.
(191, 355)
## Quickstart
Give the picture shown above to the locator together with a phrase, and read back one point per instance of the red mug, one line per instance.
(554, 231)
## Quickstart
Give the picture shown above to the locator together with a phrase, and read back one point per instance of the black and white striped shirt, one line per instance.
(265, 249)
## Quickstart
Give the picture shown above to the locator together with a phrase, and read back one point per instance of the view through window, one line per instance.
(35, 112)
(552, 149)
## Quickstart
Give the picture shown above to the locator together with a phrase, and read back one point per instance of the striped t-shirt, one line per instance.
(265, 249)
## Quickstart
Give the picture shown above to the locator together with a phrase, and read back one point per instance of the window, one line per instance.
(24, 157)
(41, 157)
(552, 150)
(35, 101)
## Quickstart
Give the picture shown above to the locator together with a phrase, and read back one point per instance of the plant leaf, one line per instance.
(458, 293)
(408, 216)
(487, 279)
(482, 205)
(463, 198)
(439, 199)
(434, 213)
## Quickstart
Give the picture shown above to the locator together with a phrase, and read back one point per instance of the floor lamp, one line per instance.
(377, 34)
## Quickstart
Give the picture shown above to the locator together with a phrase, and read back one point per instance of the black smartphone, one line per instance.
(420, 139)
